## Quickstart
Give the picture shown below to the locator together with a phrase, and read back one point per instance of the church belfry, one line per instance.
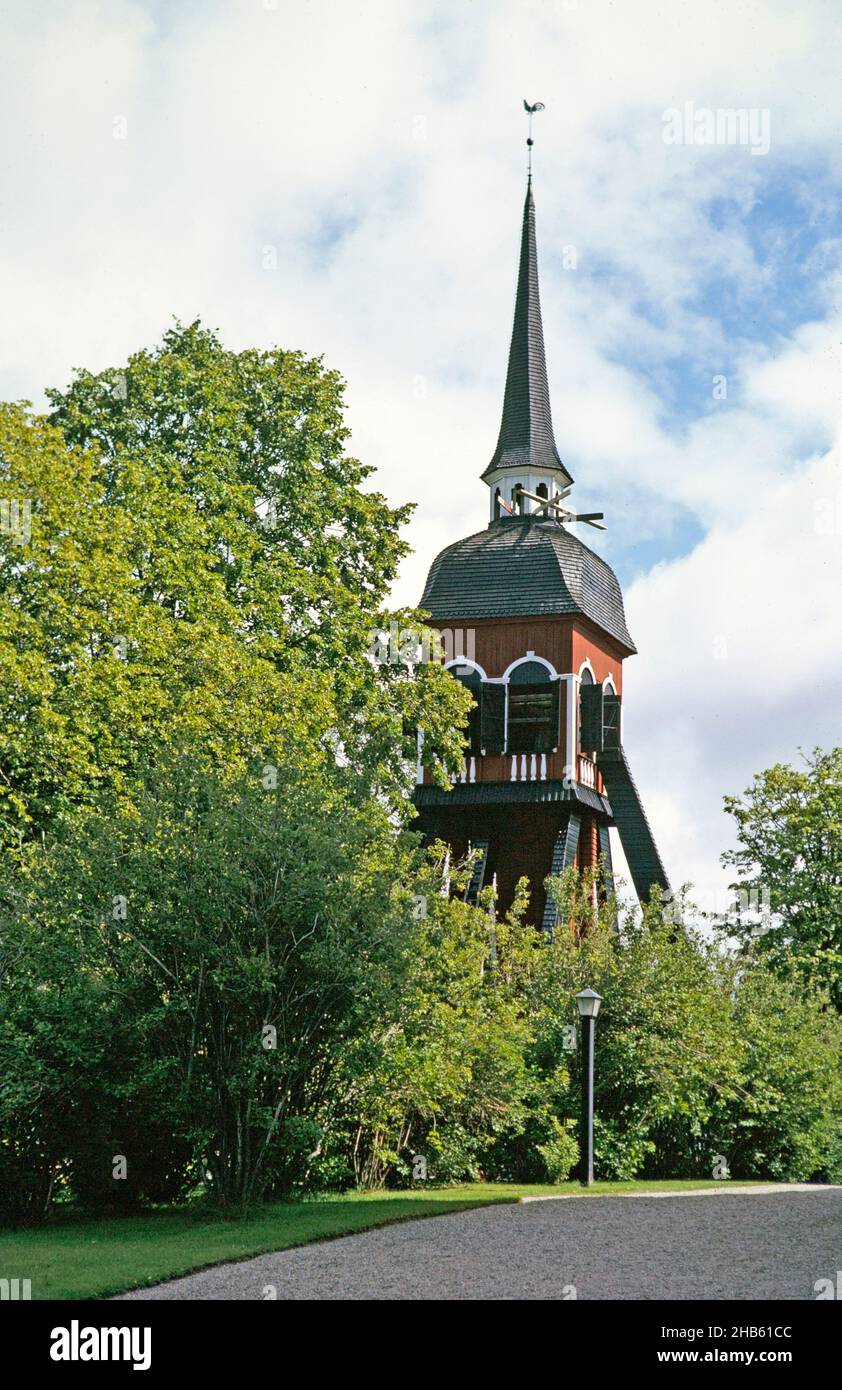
(534, 625)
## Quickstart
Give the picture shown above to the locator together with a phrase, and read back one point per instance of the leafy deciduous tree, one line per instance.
(789, 861)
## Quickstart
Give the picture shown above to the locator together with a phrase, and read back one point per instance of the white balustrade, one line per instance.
(529, 767)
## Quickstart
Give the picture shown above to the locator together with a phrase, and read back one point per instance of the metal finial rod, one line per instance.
(530, 111)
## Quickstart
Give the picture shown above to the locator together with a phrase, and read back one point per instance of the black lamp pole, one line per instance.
(588, 1001)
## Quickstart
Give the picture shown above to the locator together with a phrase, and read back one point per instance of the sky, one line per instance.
(348, 179)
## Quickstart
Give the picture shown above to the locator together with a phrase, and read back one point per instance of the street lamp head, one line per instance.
(588, 1001)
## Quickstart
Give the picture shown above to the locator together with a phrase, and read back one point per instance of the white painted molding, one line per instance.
(572, 708)
(465, 661)
(530, 656)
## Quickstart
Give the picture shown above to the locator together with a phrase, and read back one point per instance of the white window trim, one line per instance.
(607, 684)
(571, 730)
(530, 656)
(465, 661)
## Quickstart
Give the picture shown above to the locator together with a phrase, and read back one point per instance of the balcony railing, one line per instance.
(529, 767)
(526, 767)
(587, 771)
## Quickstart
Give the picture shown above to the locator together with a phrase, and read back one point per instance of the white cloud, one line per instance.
(740, 662)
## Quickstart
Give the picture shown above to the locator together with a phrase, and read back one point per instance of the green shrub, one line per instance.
(560, 1153)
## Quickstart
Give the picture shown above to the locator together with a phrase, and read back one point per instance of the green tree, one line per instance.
(267, 986)
(789, 862)
(783, 1120)
(213, 952)
(443, 1074)
(205, 574)
(663, 1033)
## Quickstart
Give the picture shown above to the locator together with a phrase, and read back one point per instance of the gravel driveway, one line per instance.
(722, 1245)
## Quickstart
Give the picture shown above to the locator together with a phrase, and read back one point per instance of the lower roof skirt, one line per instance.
(513, 793)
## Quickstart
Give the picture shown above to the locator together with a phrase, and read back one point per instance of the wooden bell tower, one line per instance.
(532, 623)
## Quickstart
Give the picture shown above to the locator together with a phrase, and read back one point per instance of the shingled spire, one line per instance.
(526, 431)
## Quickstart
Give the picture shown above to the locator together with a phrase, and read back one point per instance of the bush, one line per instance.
(785, 1119)
(443, 1035)
(698, 1055)
(443, 1074)
(560, 1153)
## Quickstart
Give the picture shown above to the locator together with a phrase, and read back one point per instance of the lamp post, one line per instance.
(588, 1002)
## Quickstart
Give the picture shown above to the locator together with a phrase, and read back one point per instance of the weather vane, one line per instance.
(530, 110)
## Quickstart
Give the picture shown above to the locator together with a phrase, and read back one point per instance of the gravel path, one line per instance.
(730, 1246)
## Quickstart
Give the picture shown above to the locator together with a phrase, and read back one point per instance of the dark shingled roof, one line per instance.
(525, 566)
(510, 793)
(526, 430)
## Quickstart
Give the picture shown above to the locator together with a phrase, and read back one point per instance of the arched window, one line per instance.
(497, 507)
(472, 680)
(533, 709)
(541, 491)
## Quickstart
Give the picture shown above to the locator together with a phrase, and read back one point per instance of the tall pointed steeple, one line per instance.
(526, 442)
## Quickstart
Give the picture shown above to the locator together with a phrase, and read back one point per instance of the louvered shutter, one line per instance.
(493, 717)
(590, 707)
(611, 720)
(555, 715)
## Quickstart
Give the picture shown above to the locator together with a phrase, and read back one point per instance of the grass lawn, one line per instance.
(83, 1257)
